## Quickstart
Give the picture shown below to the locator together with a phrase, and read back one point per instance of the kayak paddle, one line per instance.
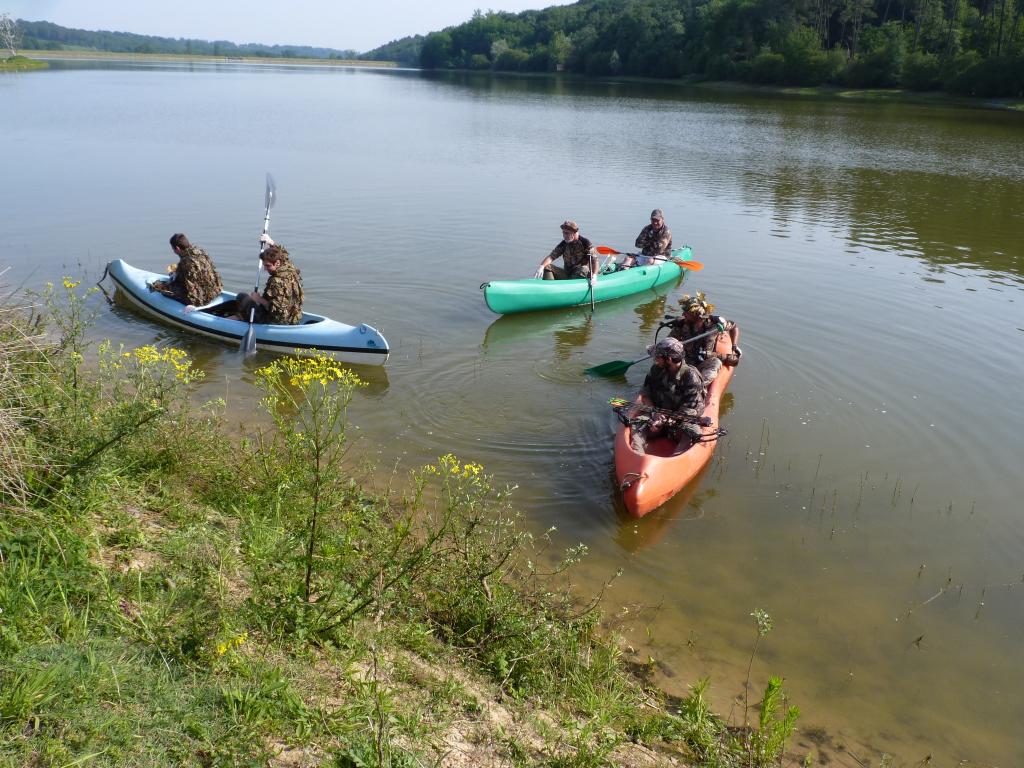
(248, 345)
(693, 266)
(618, 367)
(615, 367)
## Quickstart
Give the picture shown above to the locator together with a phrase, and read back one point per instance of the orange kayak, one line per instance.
(648, 480)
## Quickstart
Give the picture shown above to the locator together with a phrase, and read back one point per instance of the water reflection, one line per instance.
(573, 328)
(636, 534)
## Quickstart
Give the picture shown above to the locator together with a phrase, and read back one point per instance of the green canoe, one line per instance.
(508, 296)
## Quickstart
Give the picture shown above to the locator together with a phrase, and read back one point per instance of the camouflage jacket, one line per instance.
(652, 242)
(699, 351)
(683, 392)
(195, 281)
(574, 255)
(283, 293)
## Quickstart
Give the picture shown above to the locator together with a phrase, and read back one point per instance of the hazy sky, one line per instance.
(358, 24)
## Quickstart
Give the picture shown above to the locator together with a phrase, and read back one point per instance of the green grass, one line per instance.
(21, 64)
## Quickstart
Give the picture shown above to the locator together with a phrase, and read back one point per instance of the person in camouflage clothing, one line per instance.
(671, 385)
(697, 319)
(576, 253)
(281, 301)
(654, 240)
(194, 280)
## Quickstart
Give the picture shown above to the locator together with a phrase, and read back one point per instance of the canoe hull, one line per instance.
(648, 480)
(531, 295)
(361, 344)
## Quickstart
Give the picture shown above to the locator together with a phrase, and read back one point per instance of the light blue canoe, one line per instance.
(347, 343)
(532, 294)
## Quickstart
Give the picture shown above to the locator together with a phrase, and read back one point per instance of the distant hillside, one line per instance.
(405, 51)
(44, 35)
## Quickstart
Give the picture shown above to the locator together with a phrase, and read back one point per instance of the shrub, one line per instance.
(879, 64)
(512, 60)
(921, 72)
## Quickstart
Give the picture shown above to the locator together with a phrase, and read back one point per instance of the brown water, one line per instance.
(868, 495)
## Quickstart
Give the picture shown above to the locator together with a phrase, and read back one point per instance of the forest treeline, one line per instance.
(46, 36)
(973, 47)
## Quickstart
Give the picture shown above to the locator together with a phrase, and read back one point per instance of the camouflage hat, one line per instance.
(667, 346)
(570, 225)
(274, 252)
(698, 304)
(657, 214)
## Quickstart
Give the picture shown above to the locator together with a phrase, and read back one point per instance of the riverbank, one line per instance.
(866, 95)
(21, 64)
(196, 59)
(830, 92)
(167, 601)
(823, 92)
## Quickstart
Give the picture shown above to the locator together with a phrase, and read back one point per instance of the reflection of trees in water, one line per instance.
(651, 313)
(570, 337)
(635, 534)
(970, 222)
(725, 405)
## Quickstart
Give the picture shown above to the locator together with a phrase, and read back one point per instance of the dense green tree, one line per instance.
(967, 46)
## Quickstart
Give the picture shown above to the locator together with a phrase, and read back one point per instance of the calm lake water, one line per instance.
(868, 495)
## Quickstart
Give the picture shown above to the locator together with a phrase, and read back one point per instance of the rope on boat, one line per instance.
(99, 284)
(628, 479)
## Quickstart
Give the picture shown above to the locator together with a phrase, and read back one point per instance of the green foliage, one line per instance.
(21, 64)
(22, 695)
(766, 67)
(921, 71)
(858, 42)
(44, 35)
(701, 729)
(881, 60)
(768, 741)
(406, 51)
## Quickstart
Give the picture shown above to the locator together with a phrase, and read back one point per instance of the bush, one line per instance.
(766, 67)
(957, 74)
(880, 62)
(971, 75)
(921, 72)
(512, 60)
(806, 63)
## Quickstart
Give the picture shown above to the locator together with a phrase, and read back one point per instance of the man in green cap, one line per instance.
(577, 255)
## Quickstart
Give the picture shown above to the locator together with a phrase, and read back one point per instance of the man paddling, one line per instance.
(281, 300)
(577, 255)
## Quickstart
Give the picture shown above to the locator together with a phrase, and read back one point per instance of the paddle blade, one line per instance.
(604, 250)
(248, 346)
(693, 266)
(614, 368)
(271, 192)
